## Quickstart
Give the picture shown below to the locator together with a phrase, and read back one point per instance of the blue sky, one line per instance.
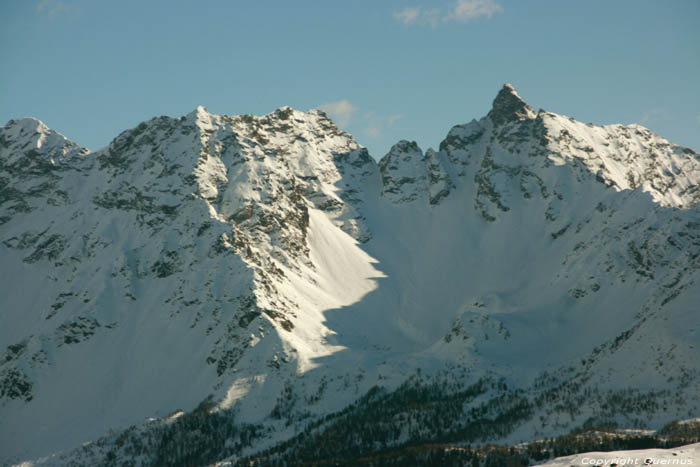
(389, 70)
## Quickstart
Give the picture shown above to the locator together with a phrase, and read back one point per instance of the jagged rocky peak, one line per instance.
(626, 158)
(403, 156)
(222, 239)
(403, 172)
(439, 182)
(405, 147)
(284, 120)
(265, 169)
(408, 174)
(508, 106)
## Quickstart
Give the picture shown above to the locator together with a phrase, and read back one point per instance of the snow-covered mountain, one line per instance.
(536, 271)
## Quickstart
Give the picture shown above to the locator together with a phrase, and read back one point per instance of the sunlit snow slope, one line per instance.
(684, 455)
(251, 258)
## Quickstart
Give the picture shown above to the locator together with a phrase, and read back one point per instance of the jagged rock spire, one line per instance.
(509, 107)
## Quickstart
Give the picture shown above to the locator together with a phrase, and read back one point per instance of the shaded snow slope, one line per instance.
(270, 260)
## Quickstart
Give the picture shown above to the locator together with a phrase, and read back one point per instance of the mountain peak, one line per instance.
(405, 146)
(27, 124)
(284, 112)
(200, 117)
(508, 106)
(30, 132)
(277, 254)
(198, 113)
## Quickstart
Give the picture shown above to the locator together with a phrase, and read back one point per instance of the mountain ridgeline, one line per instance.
(259, 289)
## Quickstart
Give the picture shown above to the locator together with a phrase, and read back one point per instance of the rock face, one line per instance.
(537, 272)
(508, 107)
(408, 175)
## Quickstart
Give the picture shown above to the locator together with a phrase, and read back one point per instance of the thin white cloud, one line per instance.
(467, 10)
(372, 132)
(460, 11)
(393, 118)
(373, 125)
(376, 124)
(342, 111)
(54, 8)
(407, 16)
